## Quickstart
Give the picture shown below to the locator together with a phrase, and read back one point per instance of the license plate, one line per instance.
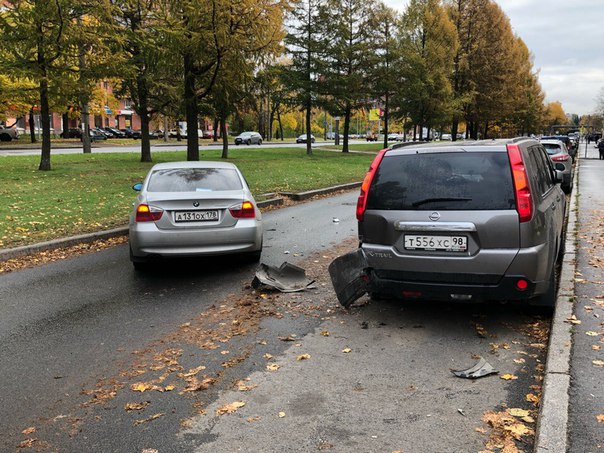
(442, 243)
(195, 216)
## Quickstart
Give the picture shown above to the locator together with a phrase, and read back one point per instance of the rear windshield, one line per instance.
(194, 180)
(552, 148)
(445, 181)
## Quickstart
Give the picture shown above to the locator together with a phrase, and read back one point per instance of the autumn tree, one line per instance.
(383, 61)
(554, 114)
(428, 42)
(303, 45)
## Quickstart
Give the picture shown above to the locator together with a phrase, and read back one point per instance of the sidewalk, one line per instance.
(572, 396)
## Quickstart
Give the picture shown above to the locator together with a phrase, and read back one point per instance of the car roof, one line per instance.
(552, 141)
(193, 164)
(495, 145)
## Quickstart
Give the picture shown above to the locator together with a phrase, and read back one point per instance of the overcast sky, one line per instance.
(566, 38)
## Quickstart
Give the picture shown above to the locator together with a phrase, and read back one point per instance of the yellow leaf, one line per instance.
(230, 408)
(508, 377)
(591, 334)
(303, 357)
(600, 418)
(273, 367)
(169, 388)
(518, 412)
(281, 414)
(325, 333)
(268, 356)
(518, 430)
(136, 406)
(141, 387)
(532, 398)
(598, 362)
(519, 361)
(596, 347)
(346, 350)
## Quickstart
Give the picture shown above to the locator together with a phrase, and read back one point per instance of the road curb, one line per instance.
(551, 434)
(7, 254)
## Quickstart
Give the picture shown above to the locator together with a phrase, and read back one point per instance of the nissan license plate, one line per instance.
(195, 216)
(441, 243)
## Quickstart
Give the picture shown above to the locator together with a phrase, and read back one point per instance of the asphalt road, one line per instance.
(97, 357)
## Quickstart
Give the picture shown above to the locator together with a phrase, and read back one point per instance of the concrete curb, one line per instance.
(551, 434)
(7, 254)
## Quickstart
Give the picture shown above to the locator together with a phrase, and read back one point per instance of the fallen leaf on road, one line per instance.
(288, 338)
(273, 367)
(591, 334)
(281, 414)
(508, 377)
(230, 408)
(325, 333)
(303, 357)
(153, 417)
(519, 361)
(596, 347)
(195, 385)
(346, 350)
(243, 387)
(598, 362)
(518, 412)
(267, 356)
(29, 430)
(531, 398)
(136, 406)
(573, 320)
(600, 418)
(253, 419)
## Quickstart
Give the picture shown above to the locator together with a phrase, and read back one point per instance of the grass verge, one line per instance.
(91, 192)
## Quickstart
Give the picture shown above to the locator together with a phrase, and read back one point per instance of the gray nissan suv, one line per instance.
(466, 221)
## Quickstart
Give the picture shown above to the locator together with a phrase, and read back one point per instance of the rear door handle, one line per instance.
(554, 206)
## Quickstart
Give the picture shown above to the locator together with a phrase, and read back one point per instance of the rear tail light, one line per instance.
(561, 158)
(362, 201)
(524, 201)
(521, 284)
(146, 213)
(244, 210)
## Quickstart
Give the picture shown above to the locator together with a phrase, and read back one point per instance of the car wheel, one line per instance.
(260, 142)
(249, 142)
(312, 140)
(5, 138)
(253, 257)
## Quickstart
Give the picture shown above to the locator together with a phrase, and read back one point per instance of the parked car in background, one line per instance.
(302, 138)
(96, 135)
(562, 161)
(72, 132)
(156, 134)
(371, 136)
(8, 133)
(114, 132)
(248, 138)
(132, 133)
(445, 137)
(468, 221)
(572, 150)
(187, 209)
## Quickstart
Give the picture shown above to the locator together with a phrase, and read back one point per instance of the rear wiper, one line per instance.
(435, 200)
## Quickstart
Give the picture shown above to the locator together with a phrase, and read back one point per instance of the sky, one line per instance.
(566, 38)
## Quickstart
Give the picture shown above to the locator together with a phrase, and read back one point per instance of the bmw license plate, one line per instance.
(441, 243)
(195, 216)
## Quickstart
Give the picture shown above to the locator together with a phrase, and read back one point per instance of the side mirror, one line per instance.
(558, 177)
(138, 186)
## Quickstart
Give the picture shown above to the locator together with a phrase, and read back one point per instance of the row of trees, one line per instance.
(437, 64)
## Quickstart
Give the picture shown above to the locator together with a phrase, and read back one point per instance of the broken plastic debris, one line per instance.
(481, 369)
(349, 276)
(288, 278)
(335, 220)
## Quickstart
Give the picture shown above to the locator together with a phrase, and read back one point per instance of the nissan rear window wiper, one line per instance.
(435, 200)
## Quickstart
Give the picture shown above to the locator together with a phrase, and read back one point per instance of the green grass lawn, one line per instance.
(90, 192)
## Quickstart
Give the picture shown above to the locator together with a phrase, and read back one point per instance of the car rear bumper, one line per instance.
(147, 241)
(485, 288)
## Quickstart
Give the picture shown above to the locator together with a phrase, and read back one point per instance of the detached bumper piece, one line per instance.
(287, 278)
(349, 277)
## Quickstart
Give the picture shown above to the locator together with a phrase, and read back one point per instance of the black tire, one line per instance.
(260, 142)
(5, 138)
(253, 257)
(249, 142)
(312, 140)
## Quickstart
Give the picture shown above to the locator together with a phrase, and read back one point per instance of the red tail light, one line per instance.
(362, 201)
(524, 201)
(146, 213)
(561, 158)
(245, 210)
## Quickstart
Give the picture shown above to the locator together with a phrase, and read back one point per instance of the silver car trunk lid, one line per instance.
(194, 210)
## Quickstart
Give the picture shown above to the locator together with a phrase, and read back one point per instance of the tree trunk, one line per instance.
(191, 109)
(280, 124)
(347, 114)
(486, 130)
(143, 113)
(65, 121)
(386, 120)
(32, 126)
(223, 132)
(454, 129)
(215, 133)
(45, 120)
(308, 128)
